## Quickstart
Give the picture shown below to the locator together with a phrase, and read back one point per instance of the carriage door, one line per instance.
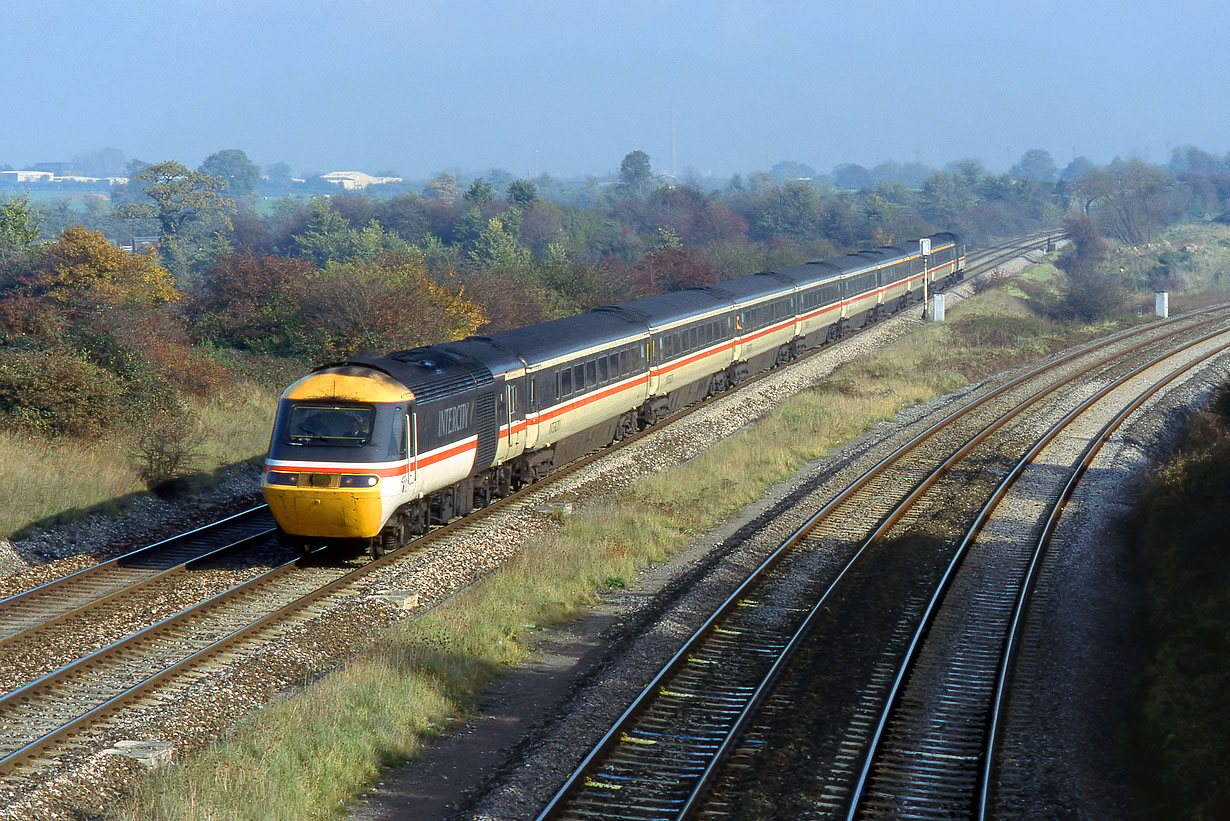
(412, 435)
(513, 416)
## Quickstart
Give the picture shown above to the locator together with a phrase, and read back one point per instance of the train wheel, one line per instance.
(388, 540)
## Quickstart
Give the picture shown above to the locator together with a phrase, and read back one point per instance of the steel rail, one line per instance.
(1012, 641)
(148, 553)
(972, 532)
(732, 738)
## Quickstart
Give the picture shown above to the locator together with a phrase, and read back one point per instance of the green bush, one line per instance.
(1183, 731)
(57, 392)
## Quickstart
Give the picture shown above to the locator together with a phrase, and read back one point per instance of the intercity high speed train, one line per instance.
(374, 450)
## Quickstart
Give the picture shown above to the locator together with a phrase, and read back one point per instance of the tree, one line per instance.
(20, 229)
(327, 236)
(279, 179)
(794, 211)
(191, 213)
(1092, 292)
(635, 175)
(521, 193)
(360, 307)
(670, 269)
(791, 170)
(82, 266)
(852, 177)
(498, 248)
(442, 187)
(1191, 160)
(1078, 168)
(1129, 198)
(1035, 165)
(480, 192)
(250, 301)
(232, 165)
(944, 196)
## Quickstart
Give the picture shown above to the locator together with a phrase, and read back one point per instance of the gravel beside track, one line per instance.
(507, 760)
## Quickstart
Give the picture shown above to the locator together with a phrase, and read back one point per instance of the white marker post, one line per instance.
(937, 312)
(1161, 304)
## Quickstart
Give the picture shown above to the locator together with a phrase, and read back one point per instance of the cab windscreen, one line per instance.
(344, 425)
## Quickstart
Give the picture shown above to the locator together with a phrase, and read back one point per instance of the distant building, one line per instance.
(353, 180)
(58, 169)
(26, 176)
(43, 176)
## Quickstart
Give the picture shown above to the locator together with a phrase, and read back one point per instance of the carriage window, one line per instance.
(591, 373)
(604, 372)
(578, 378)
(565, 382)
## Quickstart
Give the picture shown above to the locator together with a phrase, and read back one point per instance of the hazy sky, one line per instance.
(571, 86)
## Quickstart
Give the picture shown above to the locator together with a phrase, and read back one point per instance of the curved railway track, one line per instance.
(103, 674)
(933, 751)
(895, 532)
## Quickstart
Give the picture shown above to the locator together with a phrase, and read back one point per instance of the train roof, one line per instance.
(668, 309)
(809, 273)
(429, 373)
(498, 359)
(851, 262)
(750, 289)
(572, 334)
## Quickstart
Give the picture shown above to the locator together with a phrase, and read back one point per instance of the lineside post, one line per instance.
(924, 248)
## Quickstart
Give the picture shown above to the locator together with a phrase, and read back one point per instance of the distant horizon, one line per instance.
(710, 87)
(459, 170)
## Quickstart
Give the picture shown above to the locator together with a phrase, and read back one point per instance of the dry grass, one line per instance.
(41, 480)
(45, 481)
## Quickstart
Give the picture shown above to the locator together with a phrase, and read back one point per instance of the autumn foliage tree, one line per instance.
(373, 307)
(250, 301)
(82, 267)
(91, 339)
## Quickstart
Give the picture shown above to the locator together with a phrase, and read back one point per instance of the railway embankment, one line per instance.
(1180, 735)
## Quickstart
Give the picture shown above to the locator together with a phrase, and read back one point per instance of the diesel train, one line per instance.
(374, 450)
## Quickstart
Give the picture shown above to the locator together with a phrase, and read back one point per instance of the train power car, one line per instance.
(375, 450)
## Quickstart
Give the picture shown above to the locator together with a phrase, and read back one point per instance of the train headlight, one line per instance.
(275, 477)
(359, 481)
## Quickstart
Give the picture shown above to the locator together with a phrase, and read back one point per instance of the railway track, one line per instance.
(697, 723)
(102, 675)
(934, 750)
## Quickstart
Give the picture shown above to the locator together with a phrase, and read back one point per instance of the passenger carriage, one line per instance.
(376, 449)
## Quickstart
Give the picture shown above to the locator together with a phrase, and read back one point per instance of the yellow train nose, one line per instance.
(325, 513)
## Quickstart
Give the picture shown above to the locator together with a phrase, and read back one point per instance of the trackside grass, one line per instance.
(305, 757)
(43, 481)
(36, 477)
